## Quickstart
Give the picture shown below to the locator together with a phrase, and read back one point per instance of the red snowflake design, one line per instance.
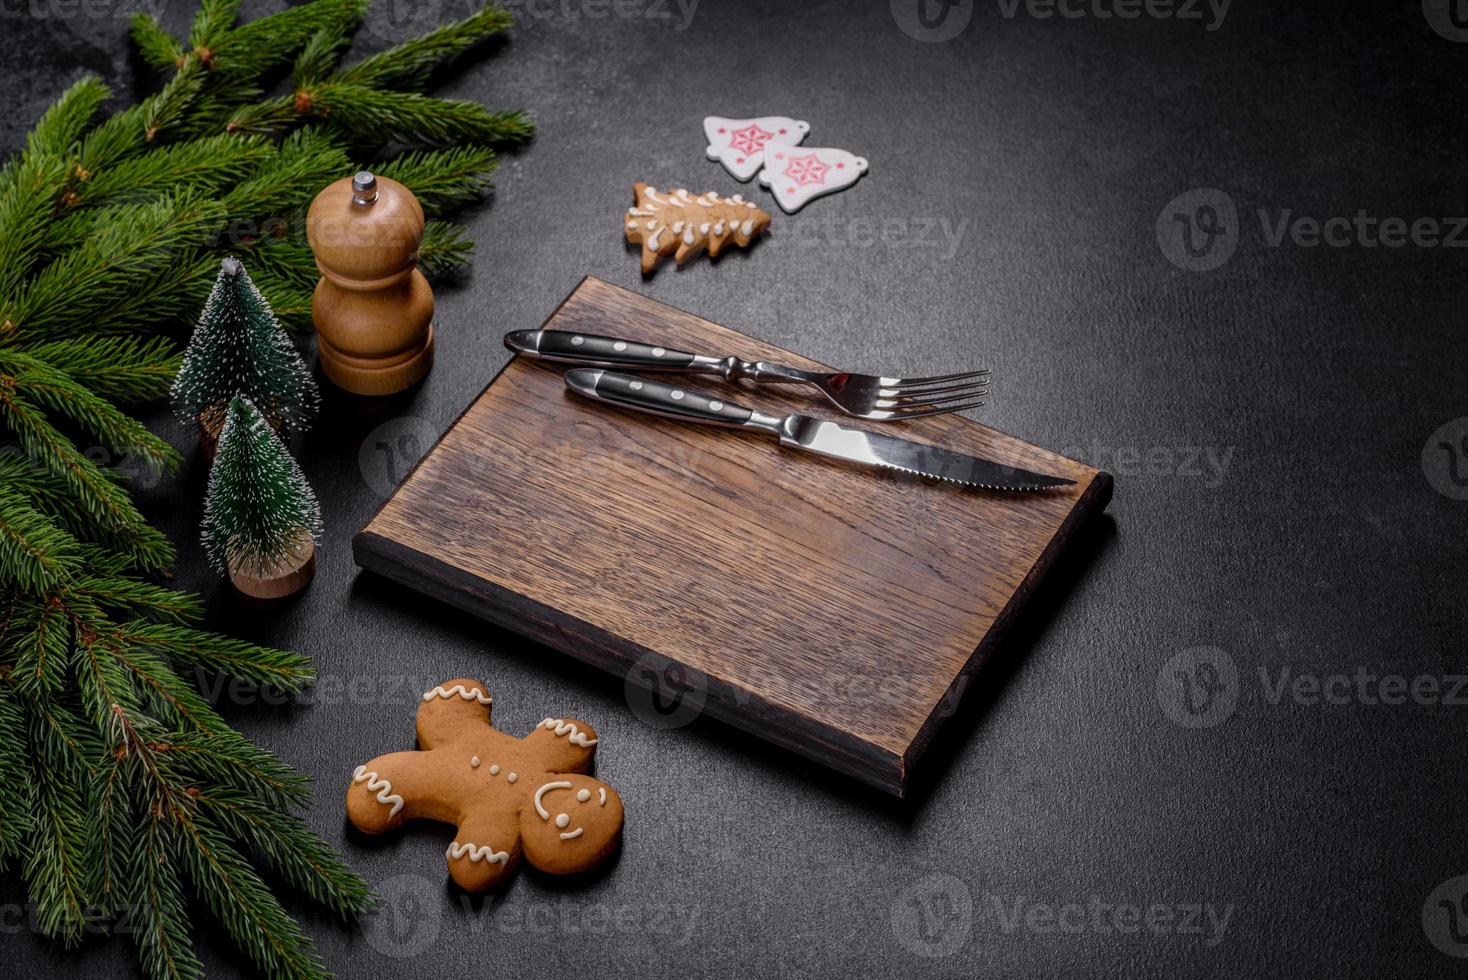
(807, 170)
(750, 139)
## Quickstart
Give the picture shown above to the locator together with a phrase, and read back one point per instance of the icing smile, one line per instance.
(563, 820)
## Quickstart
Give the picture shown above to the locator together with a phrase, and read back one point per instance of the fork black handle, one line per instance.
(592, 350)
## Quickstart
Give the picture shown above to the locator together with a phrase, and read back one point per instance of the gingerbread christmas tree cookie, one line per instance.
(676, 223)
(507, 796)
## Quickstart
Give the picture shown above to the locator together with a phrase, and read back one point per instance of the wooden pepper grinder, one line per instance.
(373, 308)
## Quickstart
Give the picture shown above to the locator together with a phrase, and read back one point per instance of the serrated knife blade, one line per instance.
(877, 449)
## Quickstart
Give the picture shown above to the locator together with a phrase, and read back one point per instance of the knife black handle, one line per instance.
(592, 350)
(655, 397)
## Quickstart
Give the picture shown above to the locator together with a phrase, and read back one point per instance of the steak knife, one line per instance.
(803, 432)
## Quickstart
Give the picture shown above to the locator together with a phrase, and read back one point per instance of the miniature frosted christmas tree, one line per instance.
(239, 348)
(261, 520)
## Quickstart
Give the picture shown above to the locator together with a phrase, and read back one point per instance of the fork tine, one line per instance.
(940, 410)
(907, 393)
(935, 379)
(931, 402)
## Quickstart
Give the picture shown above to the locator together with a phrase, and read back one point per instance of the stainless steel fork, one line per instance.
(865, 396)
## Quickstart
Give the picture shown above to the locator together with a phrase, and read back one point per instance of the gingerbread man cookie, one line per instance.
(507, 796)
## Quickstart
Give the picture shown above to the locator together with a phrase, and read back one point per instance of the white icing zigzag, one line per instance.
(467, 693)
(578, 737)
(478, 852)
(383, 789)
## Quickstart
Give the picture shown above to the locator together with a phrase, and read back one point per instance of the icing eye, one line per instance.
(562, 819)
(583, 795)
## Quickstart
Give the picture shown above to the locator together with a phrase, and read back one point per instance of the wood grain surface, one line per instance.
(831, 609)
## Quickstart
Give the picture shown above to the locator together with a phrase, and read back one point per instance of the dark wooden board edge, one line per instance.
(615, 654)
(1092, 502)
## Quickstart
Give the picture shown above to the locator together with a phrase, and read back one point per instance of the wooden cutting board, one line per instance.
(828, 608)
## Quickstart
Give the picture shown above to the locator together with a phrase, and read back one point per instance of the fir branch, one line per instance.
(159, 49)
(228, 760)
(103, 500)
(159, 908)
(284, 263)
(54, 390)
(318, 59)
(167, 695)
(142, 547)
(252, 49)
(133, 597)
(212, 22)
(16, 802)
(123, 254)
(35, 554)
(57, 864)
(291, 848)
(251, 915)
(200, 166)
(123, 369)
(308, 159)
(62, 126)
(410, 63)
(41, 645)
(444, 251)
(133, 129)
(234, 658)
(267, 117)
(27, 197)
(111, 230)
(408, 117)
(443, 180)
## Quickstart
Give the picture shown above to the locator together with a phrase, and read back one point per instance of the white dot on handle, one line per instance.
(620, 345)
(635, 385)
(677, 395)
(562, 819)
(658, 352)
(578, 341)
(716, 406)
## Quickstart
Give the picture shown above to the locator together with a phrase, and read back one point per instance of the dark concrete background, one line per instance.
(1281, 495)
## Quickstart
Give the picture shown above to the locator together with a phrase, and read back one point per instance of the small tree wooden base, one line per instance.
(378, 376)
(287, 578)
